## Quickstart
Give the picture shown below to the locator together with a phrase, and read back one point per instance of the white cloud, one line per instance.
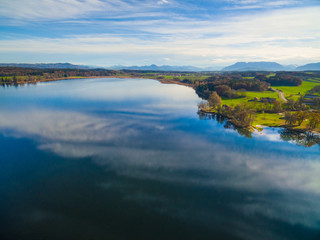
(163, 2)
(260, 4)
(48, 9)
(70, 9)
(284, 35)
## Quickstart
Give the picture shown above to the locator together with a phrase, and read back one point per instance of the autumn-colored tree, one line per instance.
(300, 117)
(203, 105)
(214, 100)
(314, 120)
(243, 116)
(317, 102)
(276, 107)
(290, 118)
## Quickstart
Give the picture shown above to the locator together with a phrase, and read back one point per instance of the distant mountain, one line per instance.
(239, 66)
(168, 68)
(255, 66)
(45, 65)
(310, 66)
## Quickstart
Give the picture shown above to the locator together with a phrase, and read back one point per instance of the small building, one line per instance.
(267, 99)
(310, 99)
(311, 96)
(225, 106)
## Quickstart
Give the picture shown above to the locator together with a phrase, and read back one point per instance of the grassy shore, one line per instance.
(277, 120)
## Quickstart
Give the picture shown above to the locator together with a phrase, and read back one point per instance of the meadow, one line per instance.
(296, 92)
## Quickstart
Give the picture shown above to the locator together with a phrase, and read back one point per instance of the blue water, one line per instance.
(131, 159)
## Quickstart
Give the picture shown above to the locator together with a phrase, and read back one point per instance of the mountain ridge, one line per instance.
(309, 66)
(238, 66)
(46, 65)
(254, 66)
(270, 66)
(154, 67)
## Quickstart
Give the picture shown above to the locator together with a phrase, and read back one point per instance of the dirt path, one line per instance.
(281, 95)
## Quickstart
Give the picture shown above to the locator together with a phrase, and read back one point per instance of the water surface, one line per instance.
(131, 159)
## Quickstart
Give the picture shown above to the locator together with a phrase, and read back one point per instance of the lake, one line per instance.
(132, 159)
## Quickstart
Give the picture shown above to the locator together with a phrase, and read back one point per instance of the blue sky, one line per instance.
(165, 32)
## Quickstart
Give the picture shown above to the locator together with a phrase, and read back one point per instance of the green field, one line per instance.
(262, 94)
(250, 95)
(293, 92)
(233, 102)
(271, 75)
(268, 119)
(289, 92)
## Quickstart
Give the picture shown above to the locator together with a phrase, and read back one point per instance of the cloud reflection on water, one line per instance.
(139, 149)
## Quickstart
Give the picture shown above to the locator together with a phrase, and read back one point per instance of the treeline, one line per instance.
(229, 88)
(281, 79)
(275, 79)
(15, 75)
(16, 71)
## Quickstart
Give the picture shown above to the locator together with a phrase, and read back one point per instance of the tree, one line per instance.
(276, 107)
(203, 105)
(290, 118)
(317, 102)
(243, 116)
(214, 100)
(314, 120)
(291, 104)
(300, 116)
(224, 90)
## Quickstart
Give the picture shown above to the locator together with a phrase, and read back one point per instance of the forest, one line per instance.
(17, 75)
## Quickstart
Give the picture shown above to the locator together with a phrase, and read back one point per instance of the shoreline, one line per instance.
(260, 127)
(170, 81)
(163, 81)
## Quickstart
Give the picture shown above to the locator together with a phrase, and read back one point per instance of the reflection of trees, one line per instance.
(227, 124)
(15, 84)
(204, 116)
(220, 118)
(244, 132)
(306, 139)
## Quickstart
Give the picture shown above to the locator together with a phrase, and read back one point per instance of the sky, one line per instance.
(202, 33)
